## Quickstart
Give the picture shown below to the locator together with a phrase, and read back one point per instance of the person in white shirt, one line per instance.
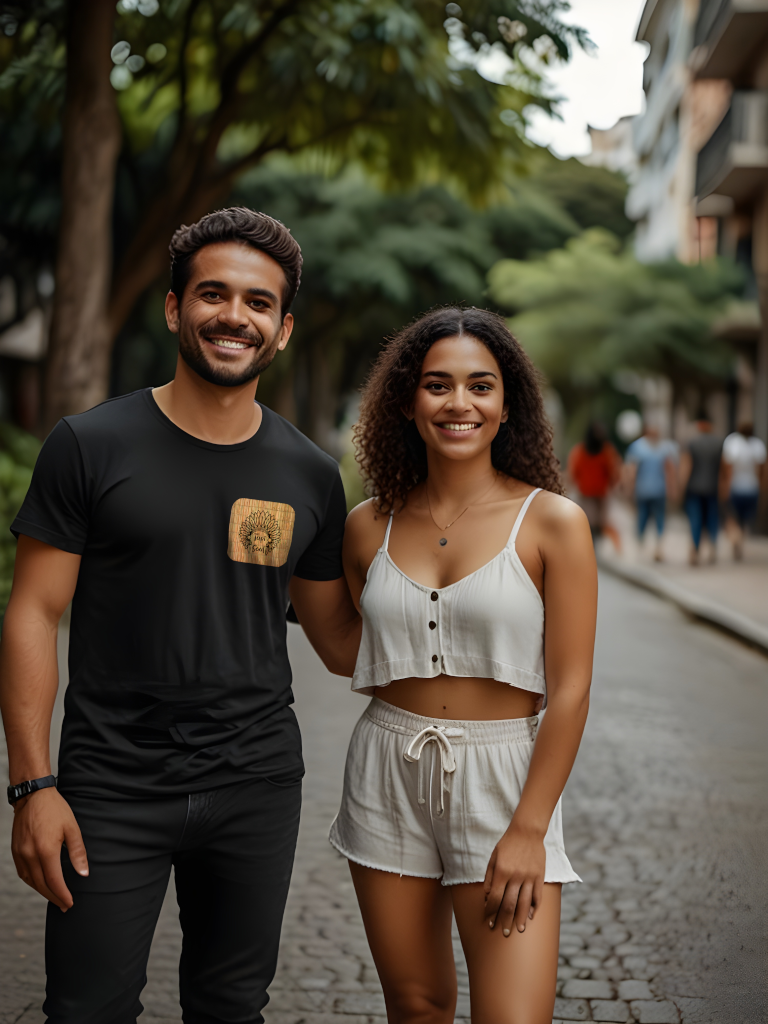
(744, 458)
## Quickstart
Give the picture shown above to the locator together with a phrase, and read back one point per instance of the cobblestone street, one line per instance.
(665, 820)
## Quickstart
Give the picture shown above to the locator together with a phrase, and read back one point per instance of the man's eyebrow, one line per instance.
(220, 285)
(265, 293)
(210, 284)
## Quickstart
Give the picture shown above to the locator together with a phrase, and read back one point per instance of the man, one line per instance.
(744, 456)
(650, 466)
(699, 479)
(178, 521)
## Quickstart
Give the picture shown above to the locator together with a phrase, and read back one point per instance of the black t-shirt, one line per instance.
(179, 673)
(705, 449)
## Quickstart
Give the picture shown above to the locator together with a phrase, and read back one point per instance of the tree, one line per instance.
(590, 309)
(372, 261)
(209, 88)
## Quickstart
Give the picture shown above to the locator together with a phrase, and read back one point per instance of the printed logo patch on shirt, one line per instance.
(260, 532)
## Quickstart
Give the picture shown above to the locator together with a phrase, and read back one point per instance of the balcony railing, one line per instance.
(728, 37)
(711, 12)
(735, 160)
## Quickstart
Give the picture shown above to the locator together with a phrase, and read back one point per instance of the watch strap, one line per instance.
(31, 786)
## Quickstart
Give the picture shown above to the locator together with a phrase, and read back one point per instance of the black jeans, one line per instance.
(232, 852)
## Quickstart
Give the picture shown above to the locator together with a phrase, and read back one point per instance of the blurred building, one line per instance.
(702, 168)
(730, 44)
(680, 114)
(613, 148)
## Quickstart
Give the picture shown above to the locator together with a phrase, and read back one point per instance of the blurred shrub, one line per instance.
(354, 489)
(18, 452)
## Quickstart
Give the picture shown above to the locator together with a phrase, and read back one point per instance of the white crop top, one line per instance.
(489, 624)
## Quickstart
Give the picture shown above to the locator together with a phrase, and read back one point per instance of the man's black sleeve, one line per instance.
(56, 508)
(322, 559)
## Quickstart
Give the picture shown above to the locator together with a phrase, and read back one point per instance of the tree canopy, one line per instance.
(207, 88)
(373, 260)
(591, 309)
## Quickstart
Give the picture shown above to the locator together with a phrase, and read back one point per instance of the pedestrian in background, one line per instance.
(651, 464)
(699, 481)
(594, 467)
(744, 456)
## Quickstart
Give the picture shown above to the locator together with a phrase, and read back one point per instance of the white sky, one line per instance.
(600, 88)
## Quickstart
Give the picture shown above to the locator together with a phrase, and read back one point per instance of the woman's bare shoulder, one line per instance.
(365, 523)
(559, 517)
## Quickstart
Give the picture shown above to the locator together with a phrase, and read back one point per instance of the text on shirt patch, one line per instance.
(260, 532)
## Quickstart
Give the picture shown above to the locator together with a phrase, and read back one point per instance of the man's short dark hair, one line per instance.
(237, 224)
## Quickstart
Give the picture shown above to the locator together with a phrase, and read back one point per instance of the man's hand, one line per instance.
(42, 822)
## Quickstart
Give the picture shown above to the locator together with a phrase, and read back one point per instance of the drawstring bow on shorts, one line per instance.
(433, 734)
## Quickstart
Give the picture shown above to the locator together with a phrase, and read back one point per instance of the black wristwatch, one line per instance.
(25, 788)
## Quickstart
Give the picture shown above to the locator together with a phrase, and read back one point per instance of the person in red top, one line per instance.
(593, 467)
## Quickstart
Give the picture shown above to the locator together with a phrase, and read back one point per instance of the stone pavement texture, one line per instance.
(665, 820)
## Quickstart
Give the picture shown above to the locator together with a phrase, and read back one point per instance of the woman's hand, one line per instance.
(514, 880)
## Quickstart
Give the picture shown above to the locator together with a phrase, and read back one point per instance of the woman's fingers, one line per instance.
(524, 905)
(490, 910)
(489, 874)
(538, 894)
(512, 902)
(494, 899)
(506, 914)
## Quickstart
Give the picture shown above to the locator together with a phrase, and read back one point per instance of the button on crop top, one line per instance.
(489, 624)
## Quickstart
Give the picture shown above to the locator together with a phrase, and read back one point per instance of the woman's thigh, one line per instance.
(408, 924)
(511, 980)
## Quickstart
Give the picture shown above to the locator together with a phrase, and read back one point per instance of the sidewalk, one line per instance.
(730, 595)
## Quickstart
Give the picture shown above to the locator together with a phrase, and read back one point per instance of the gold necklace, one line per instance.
(444, 540)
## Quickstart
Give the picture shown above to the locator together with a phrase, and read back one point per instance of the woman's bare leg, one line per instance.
(511, 980)
(408, 924)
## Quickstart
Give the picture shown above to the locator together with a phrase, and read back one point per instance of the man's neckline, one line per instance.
(199, 441)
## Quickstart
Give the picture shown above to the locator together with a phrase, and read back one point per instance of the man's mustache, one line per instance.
(235, 333)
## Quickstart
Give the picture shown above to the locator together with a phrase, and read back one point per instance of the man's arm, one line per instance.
(686, 466)
(330, 620)
(43, 584)
(629, 478)
(671, 478)
(724, 480)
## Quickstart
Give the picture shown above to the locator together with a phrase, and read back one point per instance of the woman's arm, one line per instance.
(516, 870)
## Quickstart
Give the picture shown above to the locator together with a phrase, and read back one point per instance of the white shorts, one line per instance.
(431, 797)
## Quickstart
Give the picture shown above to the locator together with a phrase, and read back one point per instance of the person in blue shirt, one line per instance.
(651, 465)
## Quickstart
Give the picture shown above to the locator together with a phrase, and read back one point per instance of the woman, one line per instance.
(594, 467)
(448, 804)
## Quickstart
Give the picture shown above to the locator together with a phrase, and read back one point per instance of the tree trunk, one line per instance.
(147, 259)
(77, 370)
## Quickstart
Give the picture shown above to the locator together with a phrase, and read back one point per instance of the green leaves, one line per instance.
(393, 84)
(591, 309)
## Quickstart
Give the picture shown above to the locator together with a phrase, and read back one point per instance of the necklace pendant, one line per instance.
(443, 541)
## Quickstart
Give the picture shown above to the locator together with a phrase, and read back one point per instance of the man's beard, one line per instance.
(192, 351)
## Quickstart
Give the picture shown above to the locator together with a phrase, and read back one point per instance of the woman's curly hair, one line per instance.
(389, 448)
